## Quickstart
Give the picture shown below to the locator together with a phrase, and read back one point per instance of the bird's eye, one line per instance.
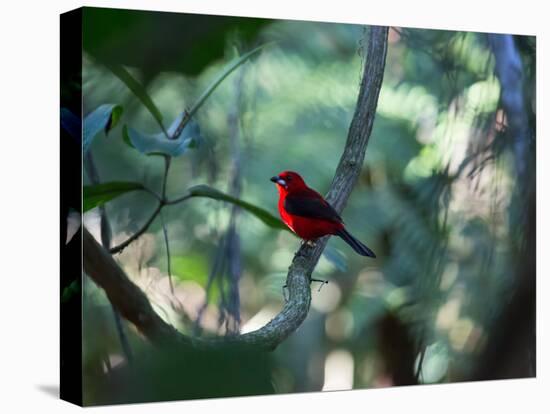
(288, 178)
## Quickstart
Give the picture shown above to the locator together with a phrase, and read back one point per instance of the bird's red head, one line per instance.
(289, 181)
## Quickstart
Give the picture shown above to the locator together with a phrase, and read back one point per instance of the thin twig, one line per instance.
(154, 194)
(143, 229)
(178, 200)
(167, 162)
(168, 265)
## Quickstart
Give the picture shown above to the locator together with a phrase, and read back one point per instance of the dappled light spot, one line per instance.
(465, 335)
(449, 276)
(280, 258)
(434, 364)
(327, 299)
(371, 283)
(448, 314)
(259, 319)
(501, 122)
(116, 360)
(92, 221)
(395, 298)
(339, 366)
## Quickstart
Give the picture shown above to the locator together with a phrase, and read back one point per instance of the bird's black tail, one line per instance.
(355, 244)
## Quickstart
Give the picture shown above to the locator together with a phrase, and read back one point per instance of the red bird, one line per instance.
(309, 215)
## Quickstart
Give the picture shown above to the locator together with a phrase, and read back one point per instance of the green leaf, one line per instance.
(263, 215)
(115, 117)
(103, 118)
(126, 137)
(159, 143)
(97, 195)
(138, 90)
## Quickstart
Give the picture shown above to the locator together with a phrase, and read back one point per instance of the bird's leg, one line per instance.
(310, 243)
(321, 281)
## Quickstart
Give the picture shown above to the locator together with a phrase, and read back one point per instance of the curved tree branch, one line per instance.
(351, 161)
(134, 305)
(127, 297)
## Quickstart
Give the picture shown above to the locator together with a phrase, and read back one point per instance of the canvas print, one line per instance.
(282, 206)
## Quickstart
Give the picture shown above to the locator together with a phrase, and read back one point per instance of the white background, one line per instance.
(29, 163)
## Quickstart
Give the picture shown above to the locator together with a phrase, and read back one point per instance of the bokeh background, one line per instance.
(435, 201)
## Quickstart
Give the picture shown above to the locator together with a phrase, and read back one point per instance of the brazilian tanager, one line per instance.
(309, 215)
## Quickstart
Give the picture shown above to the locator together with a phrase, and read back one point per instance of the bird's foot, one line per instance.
(321, 281)
(309, 243)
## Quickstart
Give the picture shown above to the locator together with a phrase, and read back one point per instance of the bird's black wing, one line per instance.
(305, 205)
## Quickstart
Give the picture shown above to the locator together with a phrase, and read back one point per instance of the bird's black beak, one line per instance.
(278, 180)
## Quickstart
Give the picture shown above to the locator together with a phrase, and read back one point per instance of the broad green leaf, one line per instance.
(97, 195)
(103, 118)
(138, 90)
(263, 215)
(159, 143)
(127, 141)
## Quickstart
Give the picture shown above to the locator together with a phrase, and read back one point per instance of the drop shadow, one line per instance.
(49, 389)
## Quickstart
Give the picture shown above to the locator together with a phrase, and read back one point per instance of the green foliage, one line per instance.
(160, 144)
(262, 214)
(181, 373)
(138, 90)
(103, 118)
(177, 42)
(99, 194)
(184, 132)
